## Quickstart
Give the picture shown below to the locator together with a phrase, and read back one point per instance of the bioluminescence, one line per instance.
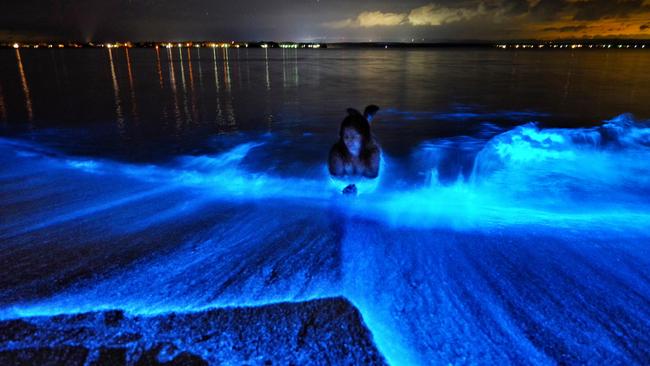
(525, 247)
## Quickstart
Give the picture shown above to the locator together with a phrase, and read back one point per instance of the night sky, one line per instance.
(322, 20)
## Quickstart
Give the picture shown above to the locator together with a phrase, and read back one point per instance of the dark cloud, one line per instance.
(587, 9)
(163, 19)
(105, 20)
(548, 9)
(644, 26)
(599, 9)
(507, 7)
(565, 29)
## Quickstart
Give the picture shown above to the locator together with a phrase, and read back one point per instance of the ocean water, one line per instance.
(509, 223)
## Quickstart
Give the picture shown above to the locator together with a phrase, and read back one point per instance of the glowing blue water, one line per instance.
(532, 249)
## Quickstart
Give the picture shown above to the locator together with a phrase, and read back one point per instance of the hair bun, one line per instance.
(353, 112)
(370, 110)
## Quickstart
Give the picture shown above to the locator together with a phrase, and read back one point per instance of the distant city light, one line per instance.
(573, 46)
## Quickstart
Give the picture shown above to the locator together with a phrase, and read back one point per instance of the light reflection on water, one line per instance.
(186, 110)
(134, 105)
(226, 68)
(309, 89)
(172, 77)
(190, 71)
(23, 80)
(198, 58)
(230, 120)
(266, 68)
(159, 69)
(116, 92)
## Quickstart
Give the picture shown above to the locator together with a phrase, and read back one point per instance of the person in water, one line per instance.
(356, 154)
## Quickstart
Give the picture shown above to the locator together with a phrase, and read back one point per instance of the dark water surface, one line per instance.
(509, 223)
(133, 101)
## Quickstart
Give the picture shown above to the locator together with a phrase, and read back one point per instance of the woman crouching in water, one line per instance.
(356, 154)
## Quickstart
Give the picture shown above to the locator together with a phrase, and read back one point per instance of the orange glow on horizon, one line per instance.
(636, 27)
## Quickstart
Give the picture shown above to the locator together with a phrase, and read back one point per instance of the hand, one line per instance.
(350, 189)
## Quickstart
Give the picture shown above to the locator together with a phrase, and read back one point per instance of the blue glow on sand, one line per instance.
(535, 253)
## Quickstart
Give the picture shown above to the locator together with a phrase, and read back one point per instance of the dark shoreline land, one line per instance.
(522, 43)
(323, 331)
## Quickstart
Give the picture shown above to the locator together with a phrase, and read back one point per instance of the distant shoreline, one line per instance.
(524, 44)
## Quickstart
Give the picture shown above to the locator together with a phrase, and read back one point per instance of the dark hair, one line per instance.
(370, 111)
(356, 120)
